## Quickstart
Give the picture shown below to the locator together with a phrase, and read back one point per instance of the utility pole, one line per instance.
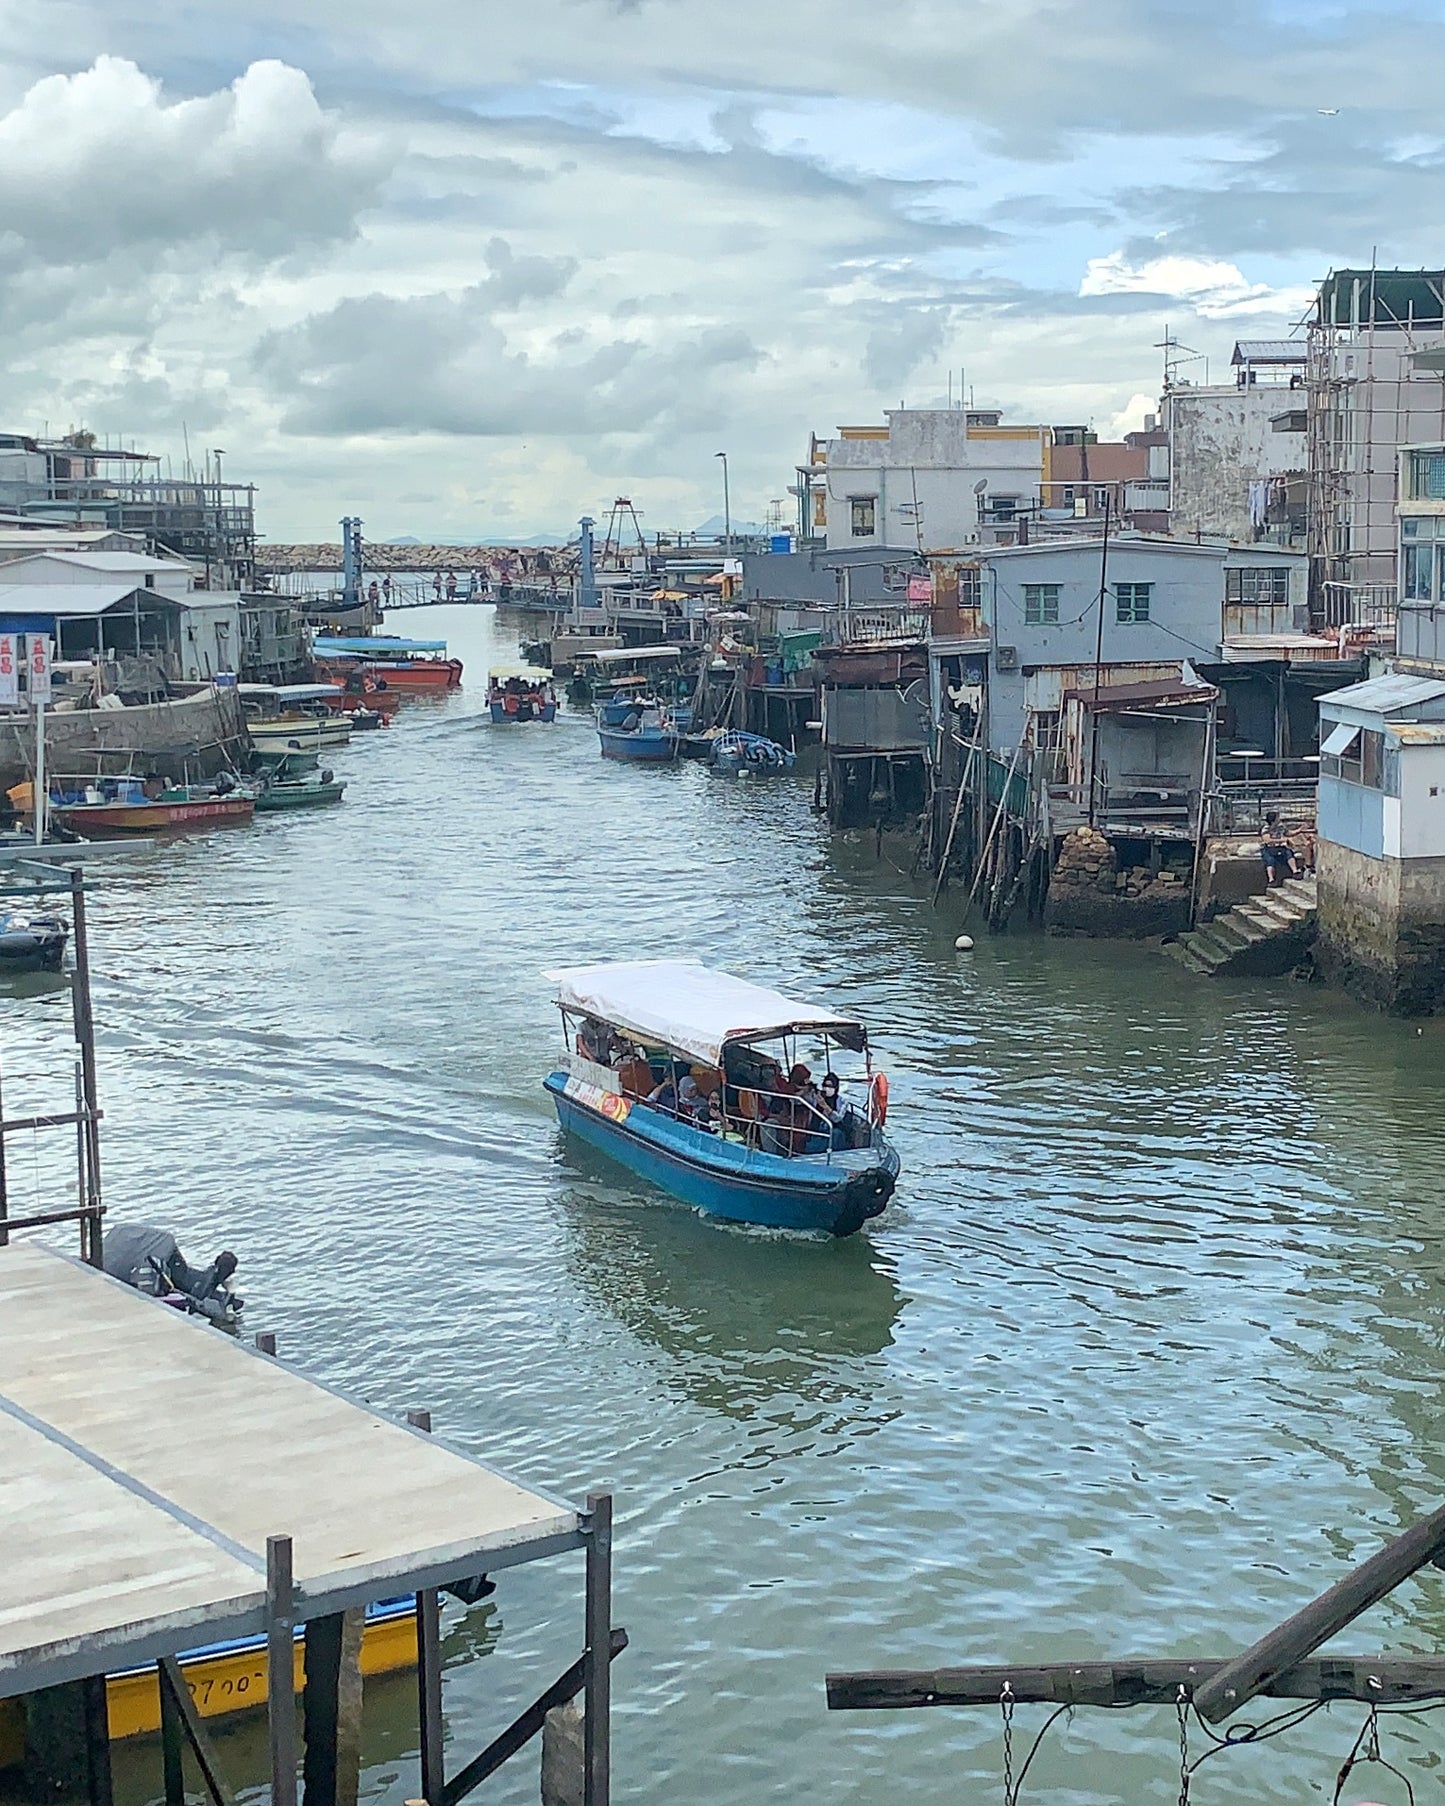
(727, 505)
(1098, 673)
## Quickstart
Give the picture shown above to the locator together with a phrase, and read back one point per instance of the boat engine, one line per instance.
(150, 1259)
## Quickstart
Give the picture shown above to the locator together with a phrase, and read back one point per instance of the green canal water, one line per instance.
(1147, 1346)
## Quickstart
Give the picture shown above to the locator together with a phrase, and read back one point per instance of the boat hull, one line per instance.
(298, 796)
(546, 711)
(308, 733)
(645, 748)
(423, 676)
(153, 818)
(724, 1178)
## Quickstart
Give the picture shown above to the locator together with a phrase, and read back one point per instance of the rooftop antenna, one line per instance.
(1176, 354)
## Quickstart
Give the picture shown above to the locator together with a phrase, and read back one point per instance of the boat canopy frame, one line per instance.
(694, 1010)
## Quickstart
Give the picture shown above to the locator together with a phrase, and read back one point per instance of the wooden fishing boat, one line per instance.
(303, 792)
(294, 716)
(744, 1142)
(735, 753)
(414, 665)
(646, 737)
(130, 806)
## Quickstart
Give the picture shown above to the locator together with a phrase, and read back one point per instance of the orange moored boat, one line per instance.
(405, 665)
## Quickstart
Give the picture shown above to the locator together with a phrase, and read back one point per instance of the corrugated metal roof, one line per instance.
(1114, 697)
(70, 599)
(1268, 351)
(1396, 690)
(119, 562)
(1419, 733)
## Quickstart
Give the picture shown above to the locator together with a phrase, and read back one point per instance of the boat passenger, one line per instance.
(848, 1128)
(775, 1132)
(668, 1095)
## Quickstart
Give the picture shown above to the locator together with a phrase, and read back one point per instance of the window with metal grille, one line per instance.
(1041, 604)
(863, 510)
(1131, 602)
(1427, 476)
(1266, 585)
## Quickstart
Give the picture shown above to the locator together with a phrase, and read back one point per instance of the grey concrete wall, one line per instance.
(206, 730)
(1186, 612)
(1382, 929)
(1220, 441)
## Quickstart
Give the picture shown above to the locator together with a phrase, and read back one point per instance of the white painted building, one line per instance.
(930, 480)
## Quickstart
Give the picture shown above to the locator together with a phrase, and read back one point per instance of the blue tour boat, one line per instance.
(667, 1070)
(647, 737)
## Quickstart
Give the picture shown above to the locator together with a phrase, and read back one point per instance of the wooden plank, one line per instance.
(1240, 1679)
(1379, 1680)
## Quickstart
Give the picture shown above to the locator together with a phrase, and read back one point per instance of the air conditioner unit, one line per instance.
(1006, 658)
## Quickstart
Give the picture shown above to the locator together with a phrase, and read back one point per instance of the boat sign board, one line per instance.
(610, 1104)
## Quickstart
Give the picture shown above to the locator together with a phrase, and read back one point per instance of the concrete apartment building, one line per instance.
(1237, 451)
(929, 480)
(1375, 383)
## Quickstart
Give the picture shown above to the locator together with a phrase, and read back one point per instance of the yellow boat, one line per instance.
(224, 1678)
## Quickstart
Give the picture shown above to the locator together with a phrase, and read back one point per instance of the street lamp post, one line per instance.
(727, 504)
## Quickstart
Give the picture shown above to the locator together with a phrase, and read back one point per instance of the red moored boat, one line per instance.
(411, 666)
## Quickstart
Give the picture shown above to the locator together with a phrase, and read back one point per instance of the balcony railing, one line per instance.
(1359, 605)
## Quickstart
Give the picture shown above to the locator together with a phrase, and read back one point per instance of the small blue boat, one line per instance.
(668, 1071)
(736, 752)
(646, 737)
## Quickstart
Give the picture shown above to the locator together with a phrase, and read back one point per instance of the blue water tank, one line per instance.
(781, 542)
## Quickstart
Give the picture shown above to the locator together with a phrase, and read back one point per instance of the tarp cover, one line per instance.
(690, 1008)
(367, 647)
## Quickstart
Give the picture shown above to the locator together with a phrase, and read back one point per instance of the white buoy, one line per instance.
(964, 944)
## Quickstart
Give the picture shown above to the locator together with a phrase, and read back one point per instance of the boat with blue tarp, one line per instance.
(692, 1079)
(735, 752)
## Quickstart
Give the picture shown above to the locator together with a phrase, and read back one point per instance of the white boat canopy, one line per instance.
(691, 1008)
(533, 674)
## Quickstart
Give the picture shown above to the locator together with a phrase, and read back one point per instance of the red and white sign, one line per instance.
(9, 669)
(920, 589)
(39, 667)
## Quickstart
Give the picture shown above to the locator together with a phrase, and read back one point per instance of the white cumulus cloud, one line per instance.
(1211, 286)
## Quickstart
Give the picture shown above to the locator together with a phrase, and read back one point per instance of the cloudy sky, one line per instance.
(477, 266)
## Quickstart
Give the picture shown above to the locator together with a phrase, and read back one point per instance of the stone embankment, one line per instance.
(199, 734)
(1089, 893)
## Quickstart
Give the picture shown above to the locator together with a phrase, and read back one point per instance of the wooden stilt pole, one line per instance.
(281, 1669)
(597, 1655)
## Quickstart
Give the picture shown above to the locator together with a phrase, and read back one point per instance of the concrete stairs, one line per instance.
(1264, 937)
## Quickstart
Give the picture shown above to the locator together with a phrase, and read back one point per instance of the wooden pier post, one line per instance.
(429, 1674)
(281, 1668)
(597, 1655)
